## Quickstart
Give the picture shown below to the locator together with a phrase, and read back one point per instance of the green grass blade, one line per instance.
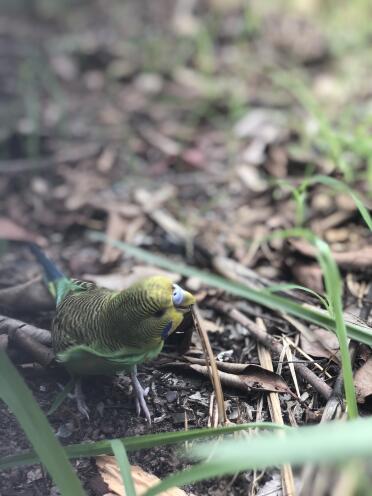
(340, 186)
(359, 332)
(282, 287)
(136, 443)
(61, 396)
(333, 286)
(121, 456)
(19, 399)
(328, 443)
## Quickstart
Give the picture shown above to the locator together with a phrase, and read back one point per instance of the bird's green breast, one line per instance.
(84, 360)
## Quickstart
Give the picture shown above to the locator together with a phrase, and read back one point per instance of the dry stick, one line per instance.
(29, 296)
(276, 413)
(39, 352)
(28, 337)
(215, 378)
(266, 340)
(10, 326)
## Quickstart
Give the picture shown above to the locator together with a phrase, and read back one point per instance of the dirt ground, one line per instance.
(180, 127)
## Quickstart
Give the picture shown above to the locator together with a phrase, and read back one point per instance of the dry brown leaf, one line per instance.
(116, 229)
(250, 177)
(158, 140)
(252, 377)
(360, 258)
(11, 231)
(324, 344)
(152, 200)
(106, 160)
(363, 381)
(110, 473)
(170, 225)
(309, 275)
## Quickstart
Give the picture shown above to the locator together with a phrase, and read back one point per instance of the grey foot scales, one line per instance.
(78, 396)
(140, 393)
(80, 399)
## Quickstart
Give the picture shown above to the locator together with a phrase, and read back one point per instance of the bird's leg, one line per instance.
(140, 395)
(80, 399)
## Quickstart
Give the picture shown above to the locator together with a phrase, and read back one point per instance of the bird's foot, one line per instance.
(80, 399)
(140, 393)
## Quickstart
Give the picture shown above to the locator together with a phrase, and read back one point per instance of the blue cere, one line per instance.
(178, 295)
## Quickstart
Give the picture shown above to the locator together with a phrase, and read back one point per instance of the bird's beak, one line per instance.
(188, 300)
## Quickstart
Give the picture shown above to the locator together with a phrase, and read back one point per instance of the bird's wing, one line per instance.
(78, 286)
(65, 286)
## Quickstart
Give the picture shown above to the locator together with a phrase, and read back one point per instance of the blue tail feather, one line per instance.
(52, 272)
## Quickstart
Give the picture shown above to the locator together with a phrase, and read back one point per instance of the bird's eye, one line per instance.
(177, 296)
(159, 313)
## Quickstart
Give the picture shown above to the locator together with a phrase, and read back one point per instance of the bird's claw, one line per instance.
(80, 400)
(141, 402)
(140, 393)
(83, 408)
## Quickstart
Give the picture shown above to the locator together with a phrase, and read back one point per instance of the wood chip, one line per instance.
(363, 381)
(110, 472)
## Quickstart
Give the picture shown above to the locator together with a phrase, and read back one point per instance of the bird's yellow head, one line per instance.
(154, 308)
(167, 301)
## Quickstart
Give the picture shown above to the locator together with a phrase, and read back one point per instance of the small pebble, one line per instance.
(171, 396)
(65, 430)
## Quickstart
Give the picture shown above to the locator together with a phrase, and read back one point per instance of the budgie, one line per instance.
(97, 331)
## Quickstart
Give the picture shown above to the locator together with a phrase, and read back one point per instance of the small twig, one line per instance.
(215, 378)
(265, 339)
(311, 337)
(308, 357)
(288, 353)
